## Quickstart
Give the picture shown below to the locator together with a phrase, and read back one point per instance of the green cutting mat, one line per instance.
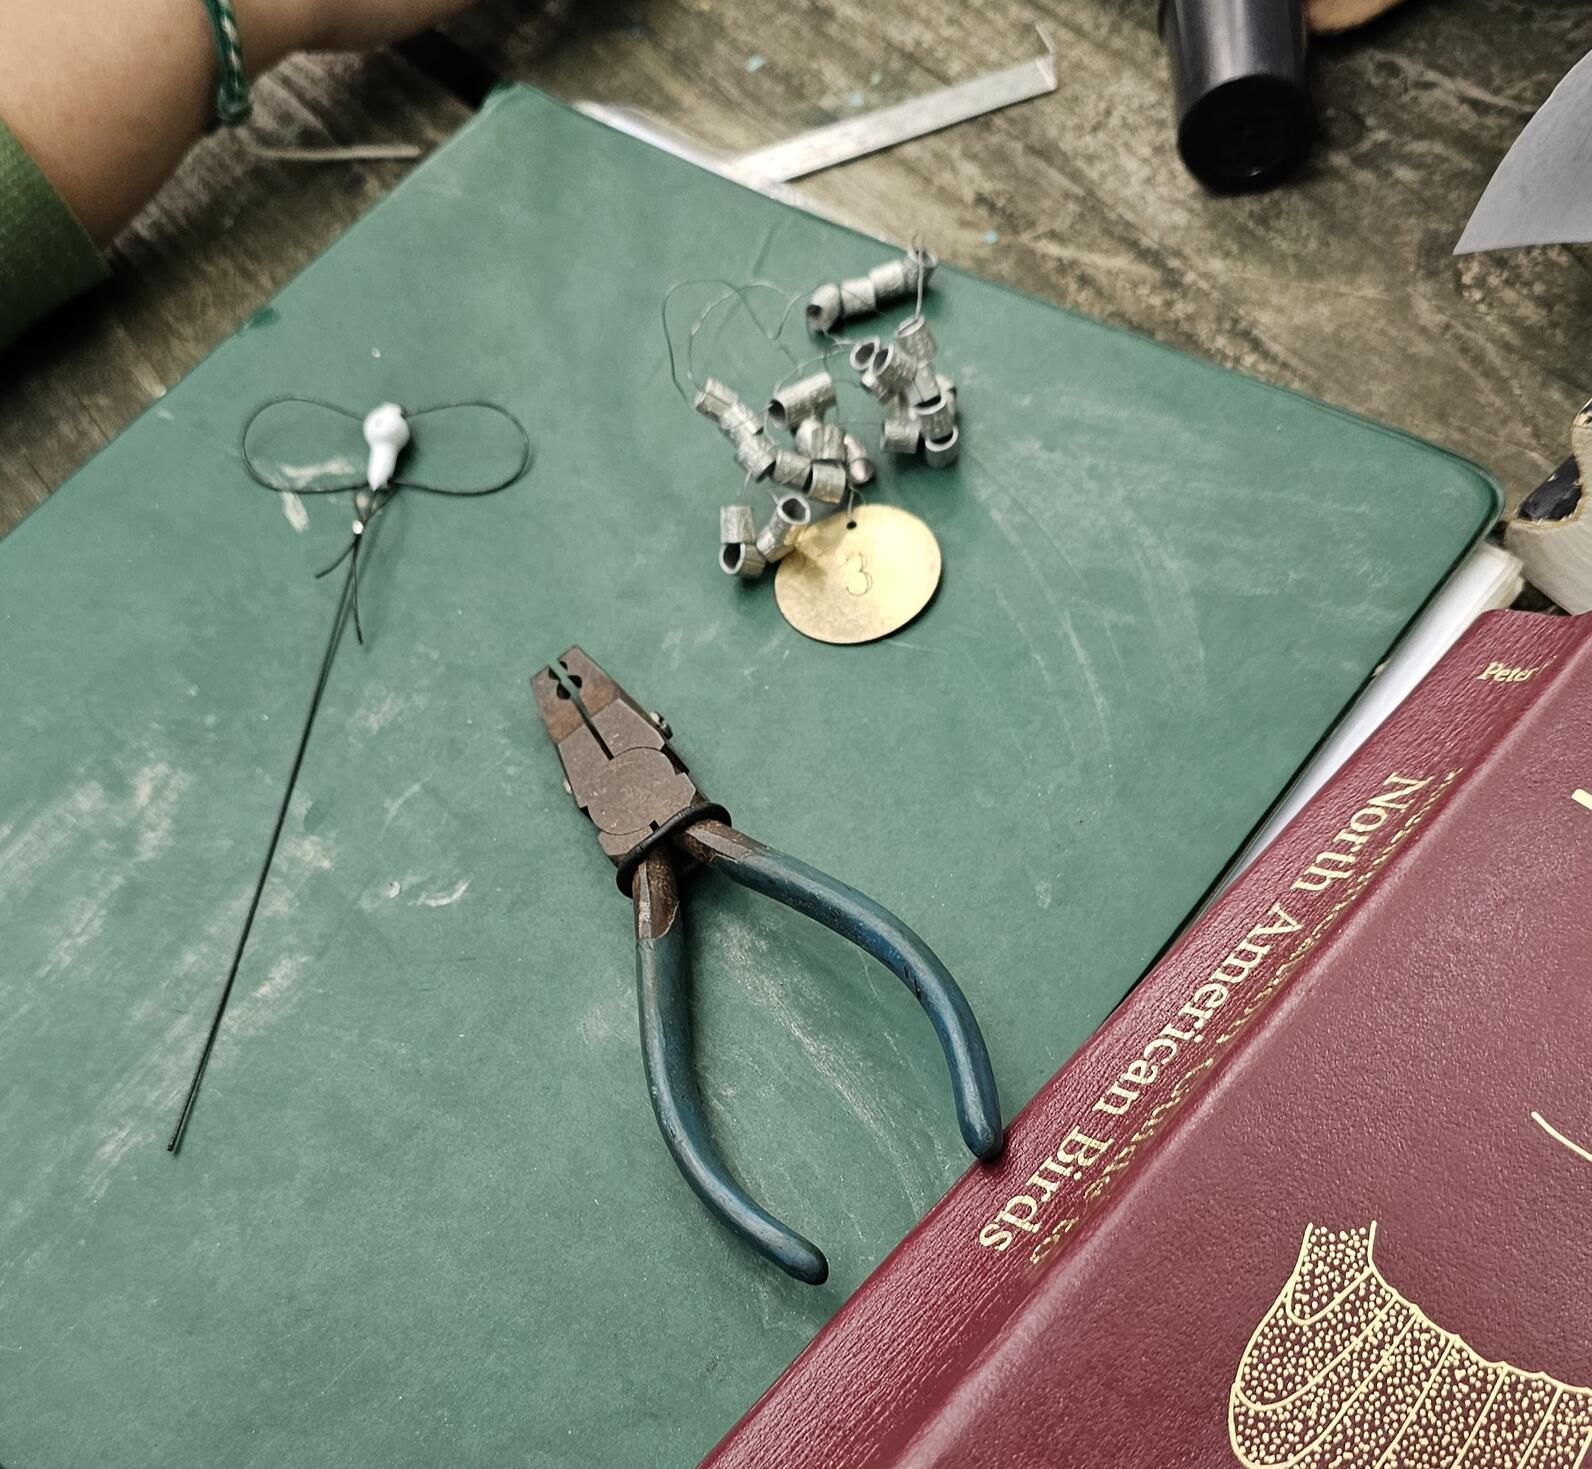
(422, 1215)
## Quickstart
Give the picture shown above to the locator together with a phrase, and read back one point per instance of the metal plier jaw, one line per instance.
(621, 771)
(617, 760)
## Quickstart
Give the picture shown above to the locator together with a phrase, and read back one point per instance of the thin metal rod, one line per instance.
(339, 621)
(917, 117)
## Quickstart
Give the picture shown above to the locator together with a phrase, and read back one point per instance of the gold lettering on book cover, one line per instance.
(1152, 1086)
(1507, 673)
(1559, 1137)
(1344, 1371)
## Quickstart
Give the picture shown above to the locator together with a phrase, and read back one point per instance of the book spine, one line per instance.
(887, 1363)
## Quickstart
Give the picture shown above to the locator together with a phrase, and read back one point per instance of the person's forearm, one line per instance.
(108, 97)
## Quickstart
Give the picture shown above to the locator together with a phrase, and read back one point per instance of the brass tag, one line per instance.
(853, 578)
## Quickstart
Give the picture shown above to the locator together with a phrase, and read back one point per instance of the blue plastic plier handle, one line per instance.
(650, 816)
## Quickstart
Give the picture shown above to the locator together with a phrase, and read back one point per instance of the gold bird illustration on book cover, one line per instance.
(1344, 1371)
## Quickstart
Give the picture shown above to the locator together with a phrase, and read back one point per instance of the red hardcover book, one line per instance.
(1320, 1191)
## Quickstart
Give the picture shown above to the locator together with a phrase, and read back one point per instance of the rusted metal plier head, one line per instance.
(618, 763)
(623, 773)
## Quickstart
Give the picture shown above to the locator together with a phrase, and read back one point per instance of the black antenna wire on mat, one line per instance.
(339, 622)
(347, 610)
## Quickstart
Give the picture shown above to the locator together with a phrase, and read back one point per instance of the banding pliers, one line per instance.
(622, 772)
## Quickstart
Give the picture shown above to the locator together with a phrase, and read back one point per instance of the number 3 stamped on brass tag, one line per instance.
(853, 578)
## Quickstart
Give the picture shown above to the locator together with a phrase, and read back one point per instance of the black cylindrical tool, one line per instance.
(1244, 115)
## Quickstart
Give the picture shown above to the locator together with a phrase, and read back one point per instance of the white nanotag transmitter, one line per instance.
(387, 433)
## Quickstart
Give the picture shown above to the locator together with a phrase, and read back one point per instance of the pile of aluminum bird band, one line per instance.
(824, 462)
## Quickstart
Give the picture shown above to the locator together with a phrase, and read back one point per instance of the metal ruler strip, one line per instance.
(857, 137)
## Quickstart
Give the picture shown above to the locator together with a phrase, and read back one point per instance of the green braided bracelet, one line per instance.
(232, 95)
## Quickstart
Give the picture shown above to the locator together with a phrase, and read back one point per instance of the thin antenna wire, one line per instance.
(730, 292)
(255, 473)
(351, 550)
(339, 621)
(347, 610)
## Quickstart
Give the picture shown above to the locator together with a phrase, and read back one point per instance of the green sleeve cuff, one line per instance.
(46, 256)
